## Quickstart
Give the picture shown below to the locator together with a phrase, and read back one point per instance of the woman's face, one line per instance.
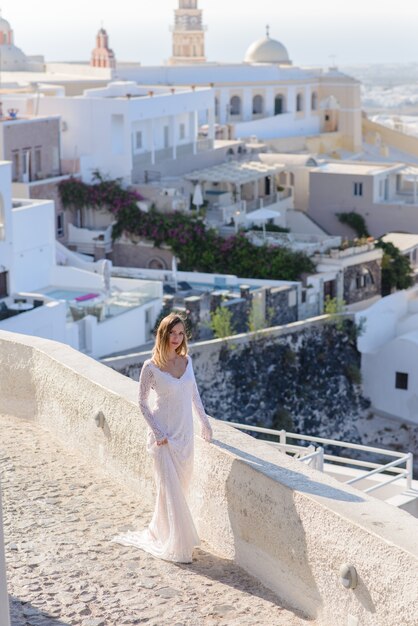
(176, 336)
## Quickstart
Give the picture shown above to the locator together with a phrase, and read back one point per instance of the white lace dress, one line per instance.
(171, 534)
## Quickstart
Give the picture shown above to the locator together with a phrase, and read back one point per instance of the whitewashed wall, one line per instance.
(6, 232)
(389, 344)
(33, 244)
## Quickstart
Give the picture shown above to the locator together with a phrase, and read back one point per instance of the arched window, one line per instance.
(258, 105)
(299, 102)
(279, 104)
(314, 101)
(156, 263)
(364, 278)
(235, 105)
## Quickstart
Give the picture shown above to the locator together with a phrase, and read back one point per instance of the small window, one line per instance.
(182, 131)
(327, 117)
(299, 102)
(4, 292)
(166, 137)
(2, 220)
(401, 380)
(358, 189)
(15, 165)
(138, 140)
(25, 160)
(38, 160)
(60, 224)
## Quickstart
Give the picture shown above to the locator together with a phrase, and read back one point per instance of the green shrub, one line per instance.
(221, 322)
(355, 221)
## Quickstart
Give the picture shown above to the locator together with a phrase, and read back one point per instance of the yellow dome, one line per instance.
(267, 50)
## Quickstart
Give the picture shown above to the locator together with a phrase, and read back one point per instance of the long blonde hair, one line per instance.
(160, 350)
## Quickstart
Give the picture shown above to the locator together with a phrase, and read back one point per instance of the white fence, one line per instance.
(315, 457)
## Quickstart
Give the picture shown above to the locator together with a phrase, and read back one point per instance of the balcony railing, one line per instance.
(391, 472)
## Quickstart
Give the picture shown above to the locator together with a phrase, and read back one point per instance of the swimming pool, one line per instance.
(66, 294)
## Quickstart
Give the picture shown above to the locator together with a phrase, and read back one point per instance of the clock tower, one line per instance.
(188, 34)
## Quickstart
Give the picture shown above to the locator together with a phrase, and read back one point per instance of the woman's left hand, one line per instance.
(207, 433)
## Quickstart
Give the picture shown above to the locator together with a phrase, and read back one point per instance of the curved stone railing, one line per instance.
(288, 525)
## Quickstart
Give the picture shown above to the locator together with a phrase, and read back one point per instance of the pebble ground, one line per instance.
(59, 516)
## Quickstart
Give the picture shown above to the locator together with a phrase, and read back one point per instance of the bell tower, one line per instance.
(188, 34)
(102, 55)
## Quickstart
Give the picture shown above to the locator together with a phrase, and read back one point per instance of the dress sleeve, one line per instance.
(146, 383)
(197, 403)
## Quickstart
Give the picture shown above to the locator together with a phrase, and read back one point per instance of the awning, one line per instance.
(410, 173)
(235, 172)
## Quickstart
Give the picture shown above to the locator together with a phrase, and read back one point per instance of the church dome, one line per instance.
(12, 59)
(267, 50)
(4, 26)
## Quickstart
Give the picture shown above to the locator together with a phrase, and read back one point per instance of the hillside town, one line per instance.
(260, 203)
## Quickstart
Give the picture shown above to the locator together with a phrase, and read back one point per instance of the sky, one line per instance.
(319, 32)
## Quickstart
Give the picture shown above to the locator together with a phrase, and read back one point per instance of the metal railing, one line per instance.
(315, 456)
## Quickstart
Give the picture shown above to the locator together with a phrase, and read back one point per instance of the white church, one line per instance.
(264, 96)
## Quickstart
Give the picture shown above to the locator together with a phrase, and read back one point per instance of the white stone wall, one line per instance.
(101, 130)
(286, 524)
(33, 244)
(6, 235)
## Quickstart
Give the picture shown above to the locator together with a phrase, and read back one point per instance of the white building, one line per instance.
(389, 347)
(79, 306)
(125, 130)
(384, 194)
(264, 96)
(268, 97)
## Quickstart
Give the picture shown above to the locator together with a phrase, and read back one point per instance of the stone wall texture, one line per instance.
(304, 377)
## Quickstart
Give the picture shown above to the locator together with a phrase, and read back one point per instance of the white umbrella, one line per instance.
(106, 274)
(197, 196)
(262, 215)
(174, 271)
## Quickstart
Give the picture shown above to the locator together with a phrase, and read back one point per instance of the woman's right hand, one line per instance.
(162, 442)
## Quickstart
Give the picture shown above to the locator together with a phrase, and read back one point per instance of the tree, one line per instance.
(396, 269)
(355, 221)
(221, 322)
(335, 307)
(258, 318)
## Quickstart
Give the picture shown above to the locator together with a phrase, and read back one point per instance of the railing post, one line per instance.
(4, 601)
(282, 436)
(409, 469)
(320, 459)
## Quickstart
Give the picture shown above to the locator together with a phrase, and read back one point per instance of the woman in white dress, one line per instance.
(171, 534)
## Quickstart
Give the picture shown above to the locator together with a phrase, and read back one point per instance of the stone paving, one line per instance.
(59, 516)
